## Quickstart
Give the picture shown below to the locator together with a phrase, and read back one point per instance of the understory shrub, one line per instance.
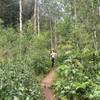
(17, 82)
(78, 78)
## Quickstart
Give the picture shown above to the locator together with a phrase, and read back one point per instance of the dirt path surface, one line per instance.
(46, 84)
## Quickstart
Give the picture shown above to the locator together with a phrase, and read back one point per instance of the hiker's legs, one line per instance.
(53, 62)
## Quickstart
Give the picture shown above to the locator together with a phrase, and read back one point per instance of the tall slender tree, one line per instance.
(38, 17)
(35, 9)
(94, 32)
(20, 16)
(21, 26)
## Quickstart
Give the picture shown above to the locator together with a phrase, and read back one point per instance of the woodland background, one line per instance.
(28, 31)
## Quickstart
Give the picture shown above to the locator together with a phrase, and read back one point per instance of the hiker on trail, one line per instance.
(53, 56)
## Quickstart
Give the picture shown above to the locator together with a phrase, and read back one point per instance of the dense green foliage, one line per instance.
(17, 82)
(22, 57)
(31, 49)
(79, 77)
(79, 63)
(70, 26)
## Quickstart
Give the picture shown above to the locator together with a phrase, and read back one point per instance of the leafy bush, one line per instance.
(17, 82)
(78, 78)
(21, 58)
(30, 48)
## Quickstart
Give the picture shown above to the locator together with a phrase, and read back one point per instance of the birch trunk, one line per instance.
(55, 35)
(20, 17)
(50, 29)
(94, 35)
(38, 18)
(75, 15)
(21, 30)
(35, 8)
(99, 7)
(94, 41)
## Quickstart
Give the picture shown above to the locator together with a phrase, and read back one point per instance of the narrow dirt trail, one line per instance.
(46, 84)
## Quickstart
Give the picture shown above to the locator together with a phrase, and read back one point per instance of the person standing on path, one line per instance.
(53, 56)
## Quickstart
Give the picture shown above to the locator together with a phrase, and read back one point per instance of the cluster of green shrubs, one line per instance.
(79, 77)
(17, 82)
(22, 57)
(27, 46)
